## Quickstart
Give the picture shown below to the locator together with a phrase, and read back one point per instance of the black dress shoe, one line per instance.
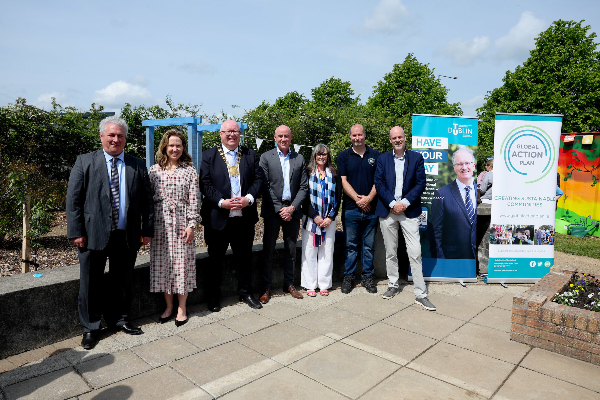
(128, 329)
(251, 301)
(90, 340)
(181, 323)
(167, 319)
(213, 305)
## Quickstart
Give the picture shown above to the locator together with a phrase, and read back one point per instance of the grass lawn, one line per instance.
(588, 246)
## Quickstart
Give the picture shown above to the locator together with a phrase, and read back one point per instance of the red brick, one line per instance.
(569, 270)
(536, 302)
(581, 320)
(537, 342)
(519, 311)
(517, 319)
(535, 314)
(553, 337)
(594, 323)
(536, 323)
(520, 299)
(557, 315)
(585, 346)
(596, 338)
(526, 330)
(569, 317)
(574, 353)
(574, 333)
(547, 311)
(595, 359)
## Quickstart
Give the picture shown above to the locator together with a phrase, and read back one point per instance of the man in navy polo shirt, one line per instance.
(357, 169)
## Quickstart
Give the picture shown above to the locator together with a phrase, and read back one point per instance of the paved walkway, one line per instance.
(355, 346)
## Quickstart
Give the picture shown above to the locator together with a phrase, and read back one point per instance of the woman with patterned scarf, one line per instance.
(320, 209)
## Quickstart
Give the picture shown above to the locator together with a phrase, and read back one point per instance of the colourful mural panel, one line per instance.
(579, 169)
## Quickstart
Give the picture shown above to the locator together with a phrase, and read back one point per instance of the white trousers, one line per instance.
(390, 227)
(317, 262)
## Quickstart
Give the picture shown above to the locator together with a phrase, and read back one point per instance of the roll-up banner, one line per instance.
(524, 197)
(448, 223)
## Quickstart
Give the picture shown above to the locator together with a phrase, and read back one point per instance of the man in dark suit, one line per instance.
(400, 181)
(454, 211)
(109, 215)
(230, 180)
(285, 186)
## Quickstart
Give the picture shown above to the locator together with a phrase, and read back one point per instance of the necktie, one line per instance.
(235, 181)
(114, 188)
(469, 204)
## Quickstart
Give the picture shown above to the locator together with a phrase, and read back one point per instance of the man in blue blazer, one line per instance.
(400, 181)
(110, 214)
(230, 180)
(454, 211)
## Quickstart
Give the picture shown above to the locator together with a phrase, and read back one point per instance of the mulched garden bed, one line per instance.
(582, 291)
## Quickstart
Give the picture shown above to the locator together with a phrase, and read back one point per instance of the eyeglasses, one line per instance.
(230, 132)
(463, 164)
(321, 154)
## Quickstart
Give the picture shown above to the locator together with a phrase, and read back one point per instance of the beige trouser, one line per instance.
(390, 226)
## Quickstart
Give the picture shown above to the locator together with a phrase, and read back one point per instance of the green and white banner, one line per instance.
(524, 191)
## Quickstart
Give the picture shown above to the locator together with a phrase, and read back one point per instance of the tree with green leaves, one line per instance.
(411, 88)
(561, 76)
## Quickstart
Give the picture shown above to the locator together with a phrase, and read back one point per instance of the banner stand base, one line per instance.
(511, 280)
(446, 279)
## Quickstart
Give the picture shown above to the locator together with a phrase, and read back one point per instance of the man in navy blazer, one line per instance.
(400, 181)
(230, 180)
(454, 211)
(110, 214)
(285, 186)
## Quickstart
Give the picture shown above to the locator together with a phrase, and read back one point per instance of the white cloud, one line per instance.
(44, 101)
(467, 51)
(474, 102)
(118, 93)
(520, 38)
(386, 17)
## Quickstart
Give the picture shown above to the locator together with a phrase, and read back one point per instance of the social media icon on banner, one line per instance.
(532, 264)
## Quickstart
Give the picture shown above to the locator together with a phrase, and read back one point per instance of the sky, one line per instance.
(232, 55)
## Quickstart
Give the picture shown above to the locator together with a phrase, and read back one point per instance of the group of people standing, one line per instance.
(114, 206)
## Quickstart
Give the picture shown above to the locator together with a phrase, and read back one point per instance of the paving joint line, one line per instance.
(511, 372)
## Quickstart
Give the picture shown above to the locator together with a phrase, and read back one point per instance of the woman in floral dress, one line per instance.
(172, 252)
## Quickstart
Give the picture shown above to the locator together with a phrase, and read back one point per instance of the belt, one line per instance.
(286, 203)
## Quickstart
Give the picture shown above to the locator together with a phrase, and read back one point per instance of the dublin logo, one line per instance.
(528, 151)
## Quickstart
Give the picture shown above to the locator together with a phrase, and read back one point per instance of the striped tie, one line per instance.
(114, 188)
(469, 204)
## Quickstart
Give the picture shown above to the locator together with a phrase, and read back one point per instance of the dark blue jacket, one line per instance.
(412, 188)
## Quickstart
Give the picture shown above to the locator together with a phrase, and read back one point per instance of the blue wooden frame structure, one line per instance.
(195, 133)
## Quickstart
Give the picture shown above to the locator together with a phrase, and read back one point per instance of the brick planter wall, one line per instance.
(539, 322)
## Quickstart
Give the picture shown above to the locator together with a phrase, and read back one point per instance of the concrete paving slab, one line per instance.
(345, 369)
(208, 336)
(463, 368)
(458, 307)
(280, 311)
(427, 323)
(396, 345)
(107, 345)
(332, 320)
(505, 302)
(494, 317)
(157, 384)
(40, 367)
(112, 368)
(247, 323)
(406, 295)
(224, 368)
(285, 342)
(370, 306)
(281, 384)
(488, 341)
(57, 385)
(525, 384)
(164, 351)
(408, 384)
(565, 368)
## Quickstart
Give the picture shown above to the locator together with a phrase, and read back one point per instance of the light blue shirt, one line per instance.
(285, 168)
(122, 185)
(232, 160)
(399, 168)
(463, 193)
